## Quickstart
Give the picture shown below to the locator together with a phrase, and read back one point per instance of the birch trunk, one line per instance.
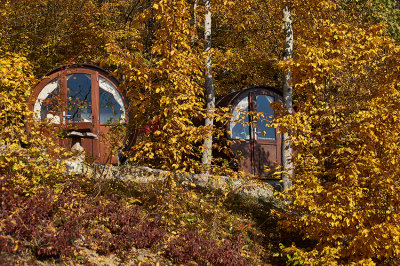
(210, 94)
(288, 98)
(194, 22)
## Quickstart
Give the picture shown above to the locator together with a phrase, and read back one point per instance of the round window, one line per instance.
(84, 101)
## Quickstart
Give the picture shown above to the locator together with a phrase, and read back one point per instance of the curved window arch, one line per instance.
(112, 107)
(254, 140)
(46, 103)
(84, 102)
(48, 98)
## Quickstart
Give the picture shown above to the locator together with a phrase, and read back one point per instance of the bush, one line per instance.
(345, 193)
(193, 247)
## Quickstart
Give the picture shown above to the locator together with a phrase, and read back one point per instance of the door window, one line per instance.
(264, 128)
(79, 95)
(239, 125)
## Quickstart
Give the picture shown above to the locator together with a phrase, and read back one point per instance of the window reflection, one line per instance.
(239, 125)
(79, 94)
(47, 105)
(111, 105)
(264, 129)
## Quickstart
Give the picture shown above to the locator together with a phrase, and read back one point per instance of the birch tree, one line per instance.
(344, 133)
(287, 96)
(194, 22)
(210, 93)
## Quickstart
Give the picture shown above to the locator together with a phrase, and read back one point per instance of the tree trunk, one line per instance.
(288, 98)
(194, 22)
(210, 94)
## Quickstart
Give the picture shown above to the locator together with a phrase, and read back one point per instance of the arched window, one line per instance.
(254, 139)
(85, 101)
(111, 104)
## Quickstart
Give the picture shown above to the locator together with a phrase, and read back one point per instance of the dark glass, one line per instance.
(79, 94)
(111, 105)
(264, 129)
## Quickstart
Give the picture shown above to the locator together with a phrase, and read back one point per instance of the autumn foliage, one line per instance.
(344, 130)
(345, 136)
(163, 88)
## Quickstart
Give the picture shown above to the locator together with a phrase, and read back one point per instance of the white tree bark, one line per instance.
(288, 98)
(210, 93)
(194, 22)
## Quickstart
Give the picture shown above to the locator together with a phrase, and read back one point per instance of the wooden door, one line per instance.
(240, 133)
(79, 88)
(266, 141)
(111, 116)
(84, 105)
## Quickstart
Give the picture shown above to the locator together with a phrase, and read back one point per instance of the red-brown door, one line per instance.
(79, 89)
(85, 105)
(240, 133)
(256, 143)
(266, 141)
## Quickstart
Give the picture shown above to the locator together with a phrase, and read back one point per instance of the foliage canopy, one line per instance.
(344, 131)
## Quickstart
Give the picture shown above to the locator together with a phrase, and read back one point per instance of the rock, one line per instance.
(74, 167)
(75, 134)
(91, 135)
(142, 174)
(77, 148)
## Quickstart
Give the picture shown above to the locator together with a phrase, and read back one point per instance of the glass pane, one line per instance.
(47, 105)
(239, 126)
(111, 105)
(79, 95)
(264, 130)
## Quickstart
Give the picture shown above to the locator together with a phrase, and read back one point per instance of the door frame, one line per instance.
(61, 74)
(252, 142)
(255, 141)
(244, 146)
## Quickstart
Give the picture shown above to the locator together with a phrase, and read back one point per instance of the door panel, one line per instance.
(111, 113)
(242, 151)
(88, 145)
(267, 141)
(108, 142)
(240, 130)
(267, 156)
(80, 112)
(84, 105)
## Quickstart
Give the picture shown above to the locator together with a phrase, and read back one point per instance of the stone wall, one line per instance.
(142, 174)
